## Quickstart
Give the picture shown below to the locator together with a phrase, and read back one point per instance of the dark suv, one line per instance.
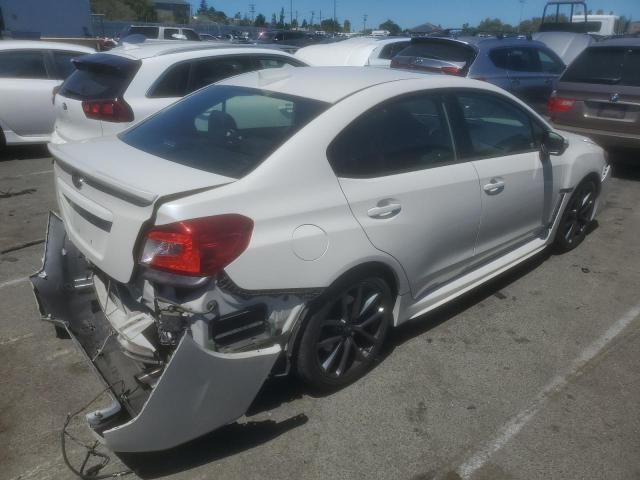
(599, 94)
(526, 68)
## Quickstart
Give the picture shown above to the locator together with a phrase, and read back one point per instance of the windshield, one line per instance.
(223, 129)
(607, 66)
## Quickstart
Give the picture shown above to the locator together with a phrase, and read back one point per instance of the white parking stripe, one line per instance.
(9, 283)
(14, 177)
(7, 341)
(515, 424)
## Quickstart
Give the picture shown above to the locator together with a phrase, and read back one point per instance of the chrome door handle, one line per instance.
(385, 211)
(496, 185)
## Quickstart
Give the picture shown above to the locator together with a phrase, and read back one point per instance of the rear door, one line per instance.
(498, 138)
(26, 88)
(396, 166)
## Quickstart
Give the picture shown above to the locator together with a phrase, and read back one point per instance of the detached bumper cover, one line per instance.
(198, 391)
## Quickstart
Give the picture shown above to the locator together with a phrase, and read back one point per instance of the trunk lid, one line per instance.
(107, 191)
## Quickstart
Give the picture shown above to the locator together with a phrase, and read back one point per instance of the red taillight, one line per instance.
(452, 71)
(113, 110)
(559, 104)
(199, 247)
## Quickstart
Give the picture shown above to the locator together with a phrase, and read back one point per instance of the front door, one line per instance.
(397, 169)
(497, 136)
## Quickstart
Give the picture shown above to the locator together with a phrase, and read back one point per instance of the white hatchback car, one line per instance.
(291, 218)
(354, 52)
(112, 90)
(29, 71)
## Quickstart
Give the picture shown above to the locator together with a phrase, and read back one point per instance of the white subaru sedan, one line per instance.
(286, 220)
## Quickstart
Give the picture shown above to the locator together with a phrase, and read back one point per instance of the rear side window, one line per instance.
(223, 129)
(22, 64)
(391, 50)
(173, 83)
(523, 60)
(275, 62)
(401, 136)
(549, 62)
(437, 49)
(499, 57)
(210, 71)
(149, 32)
(606, 66)
(99, 76)
(491, 126)
(62, 61)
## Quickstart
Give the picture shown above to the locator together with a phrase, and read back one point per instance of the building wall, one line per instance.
(47, 18)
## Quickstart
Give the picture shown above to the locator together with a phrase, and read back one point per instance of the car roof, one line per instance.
(489, 42)
(618, 42)
(331, 84)
(39, 44)
(157, 48)
(345, 51)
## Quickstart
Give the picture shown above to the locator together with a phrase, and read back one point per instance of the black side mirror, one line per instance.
(553, 144)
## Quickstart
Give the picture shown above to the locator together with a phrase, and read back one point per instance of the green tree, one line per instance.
(274, 20)
(294, 23)
(112, 9)
(330, 25)
(391, 26)
(203, 7)
(260, 20)
(304, 23)
(281, 21)
(346, 26)
(143, 10)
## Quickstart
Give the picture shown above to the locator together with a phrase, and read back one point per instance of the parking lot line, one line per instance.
(516, 423)
(14, 177)
(15, 281)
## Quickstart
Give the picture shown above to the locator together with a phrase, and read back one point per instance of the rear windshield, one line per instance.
(149, 32)
(439, 50)
(606, 66)
(223, 129)
(99, 76)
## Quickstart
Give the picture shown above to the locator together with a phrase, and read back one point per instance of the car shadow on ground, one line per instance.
(23, 152)
(224, 442)
(625, 164)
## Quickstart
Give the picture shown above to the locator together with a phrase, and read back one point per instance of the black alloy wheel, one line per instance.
(577, 216)
(345, 335)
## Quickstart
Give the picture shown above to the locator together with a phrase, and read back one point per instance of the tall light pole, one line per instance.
(290, 13)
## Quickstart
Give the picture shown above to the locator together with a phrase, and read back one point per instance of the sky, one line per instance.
(410, 13)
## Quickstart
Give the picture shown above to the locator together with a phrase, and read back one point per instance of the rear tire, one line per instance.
(577, 217)
(345, 333)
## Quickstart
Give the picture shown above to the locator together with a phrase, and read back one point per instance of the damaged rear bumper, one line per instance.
(196, 391)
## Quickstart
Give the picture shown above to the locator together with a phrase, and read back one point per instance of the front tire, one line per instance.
(577, 217)
(345, 333)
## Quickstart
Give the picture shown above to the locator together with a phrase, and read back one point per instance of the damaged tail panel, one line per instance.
(171, 381)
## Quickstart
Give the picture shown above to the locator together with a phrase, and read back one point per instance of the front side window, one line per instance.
(149, 32)
(489, 126)
(223, 129)
(190, 34)
(22, 64)
(212, 70)
(399, 136)
(169, 33)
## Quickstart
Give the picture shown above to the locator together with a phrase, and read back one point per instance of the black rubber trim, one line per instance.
(225, 283)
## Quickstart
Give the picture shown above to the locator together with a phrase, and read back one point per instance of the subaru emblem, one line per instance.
(615, 97)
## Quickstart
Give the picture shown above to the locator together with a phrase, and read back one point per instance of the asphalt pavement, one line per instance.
(533, 376)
